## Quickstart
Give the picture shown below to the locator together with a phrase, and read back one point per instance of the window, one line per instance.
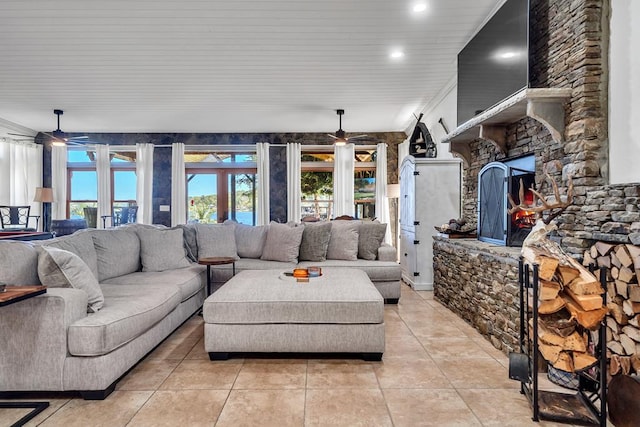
(317, 181)
(221, 184)
(82, 181)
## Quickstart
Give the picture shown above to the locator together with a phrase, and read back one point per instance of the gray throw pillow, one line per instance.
(250, 240)
(216, 240)
(370, 237)
(190, 240)
(118, 252)
(283, 243)
(162, 249)
(58, 268)
(79, 243)
(343, 243)
(315, 241)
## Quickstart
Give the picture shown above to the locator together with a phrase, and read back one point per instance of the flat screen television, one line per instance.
(495, 63)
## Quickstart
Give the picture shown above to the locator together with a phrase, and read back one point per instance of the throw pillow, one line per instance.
(370, 237)
(162, 249)
(343, 243)
(118, 252)
(216, 240)
(58, 268)
(283, 243)
(250, 240)
(190, 240)
(315, 241)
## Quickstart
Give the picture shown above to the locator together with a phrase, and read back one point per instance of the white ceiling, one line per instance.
(228, 66)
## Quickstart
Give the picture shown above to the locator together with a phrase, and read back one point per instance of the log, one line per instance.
(626, 274)
(586, 302)
(581, 287)
(547, 267)
(614, 259)
(613, 325)
(587, 259)
(549, 290)
(621, 288)
(564, 362)
(589, 319)
(612, 335)
(630, 308)
(550, 352)
(593, 252)
(623, 255)
(582, 360)
(632, 333)
(614, 364)
(615, 272)
(634, 321)
(567, 273)
(625, 365)
(604, 261)
(603, 248)
(615, 347)
(617, 313)
(634, 253)
(633, 292)
(552, 306)
(628, 344)
(635, 362)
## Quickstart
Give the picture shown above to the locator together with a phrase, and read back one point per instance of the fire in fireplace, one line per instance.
(495, 181)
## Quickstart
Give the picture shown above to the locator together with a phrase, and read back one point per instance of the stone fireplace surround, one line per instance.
(477, 280)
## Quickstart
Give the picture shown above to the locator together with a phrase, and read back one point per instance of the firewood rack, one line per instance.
(587, 406)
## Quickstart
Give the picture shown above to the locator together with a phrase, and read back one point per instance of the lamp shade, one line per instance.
(393, 191)
(44, 195)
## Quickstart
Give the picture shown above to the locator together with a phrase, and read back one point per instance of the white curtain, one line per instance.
(403, 151)
(178, 185)
(262, 152)
(103, 170)
(382, 202)
(144, 183)
(294, 193)
(59, 181)
(343, 176)
(20, 174)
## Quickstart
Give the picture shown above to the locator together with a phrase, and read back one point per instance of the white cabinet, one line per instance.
(429, 197)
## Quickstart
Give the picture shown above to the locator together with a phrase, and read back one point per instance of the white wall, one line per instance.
(624, 92)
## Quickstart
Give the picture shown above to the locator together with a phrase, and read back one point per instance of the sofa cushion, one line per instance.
(216, 240)
(58, 268)
(117, 251)
(370, 237)
(283, 243)
(222, 273)
(190, 240)
(378, 271)
(162, 249)
(315, 241)
(129, 311)
(343, 243)
(18, 263)
(189, 279)
(250, 240)
(81, 244)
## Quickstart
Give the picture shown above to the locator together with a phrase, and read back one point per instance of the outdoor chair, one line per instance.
(16, 218)
(120, 216)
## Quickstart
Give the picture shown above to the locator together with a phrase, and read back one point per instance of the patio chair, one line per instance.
(122, 215)
(14, 218)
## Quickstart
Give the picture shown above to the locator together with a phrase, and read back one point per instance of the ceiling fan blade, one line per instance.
(358, 137)
(332, 136)
(77, 137)
(20, 134)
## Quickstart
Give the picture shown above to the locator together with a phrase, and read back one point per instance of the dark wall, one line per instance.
(277, 155)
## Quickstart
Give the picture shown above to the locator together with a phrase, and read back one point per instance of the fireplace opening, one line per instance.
(495, 181)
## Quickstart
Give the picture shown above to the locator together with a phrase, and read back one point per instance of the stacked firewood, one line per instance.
(623, 301)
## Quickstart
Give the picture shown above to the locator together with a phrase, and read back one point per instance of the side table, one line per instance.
(11, 295)
(216, 260)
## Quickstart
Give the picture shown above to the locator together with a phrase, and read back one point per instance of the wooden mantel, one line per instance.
(544, 105)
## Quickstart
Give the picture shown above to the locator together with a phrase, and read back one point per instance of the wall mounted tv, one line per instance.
(495, 63)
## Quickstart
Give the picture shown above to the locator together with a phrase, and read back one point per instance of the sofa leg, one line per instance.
(218, 356)
(391, 300)
(372, 357)
(98, 394)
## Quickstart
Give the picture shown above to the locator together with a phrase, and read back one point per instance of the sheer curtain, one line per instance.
(144, 182)
(59, 181)
(178, 185)
(343, 175)
(382, 202)
(20, 174)
(262, 208)
(103, 171)
(294, 193)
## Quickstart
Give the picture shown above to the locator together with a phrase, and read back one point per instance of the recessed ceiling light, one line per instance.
(397, 54)
(419, 7)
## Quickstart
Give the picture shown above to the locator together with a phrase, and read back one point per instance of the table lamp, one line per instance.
(45, 196)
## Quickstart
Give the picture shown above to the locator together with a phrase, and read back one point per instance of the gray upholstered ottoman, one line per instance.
(268, 312)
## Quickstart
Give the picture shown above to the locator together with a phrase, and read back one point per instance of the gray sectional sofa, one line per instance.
(113, 295)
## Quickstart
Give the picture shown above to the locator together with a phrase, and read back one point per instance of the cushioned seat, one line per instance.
(189, 279)
(378, 271)
(129, 311)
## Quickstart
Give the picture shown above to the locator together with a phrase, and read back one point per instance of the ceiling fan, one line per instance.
(59, 137)
(340, 137)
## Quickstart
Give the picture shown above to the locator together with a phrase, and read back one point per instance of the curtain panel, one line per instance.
(343, 176)
(59, 181)
(103, 171)
(262, 208)
(20, 173)
(382, 202)
(294, 177)
(144, 182)
(178, 185)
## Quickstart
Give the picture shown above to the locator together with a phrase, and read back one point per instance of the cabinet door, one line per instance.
(407, 195)
(408, 256)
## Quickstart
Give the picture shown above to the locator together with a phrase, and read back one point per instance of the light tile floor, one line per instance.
(436, 371)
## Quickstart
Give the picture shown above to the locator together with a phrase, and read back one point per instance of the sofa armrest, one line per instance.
(386, 252)
(33, 339)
